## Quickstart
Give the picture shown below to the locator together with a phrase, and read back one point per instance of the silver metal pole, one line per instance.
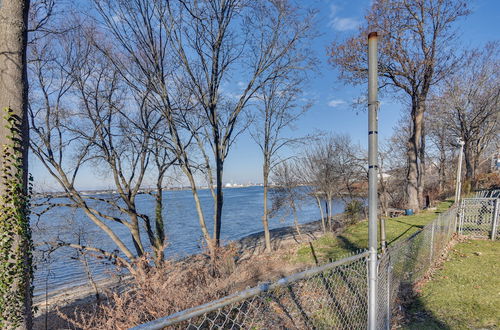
(383, 242)
(431, 252)
(495, 220)
(388, 298)
(372, 178)
(458, 186)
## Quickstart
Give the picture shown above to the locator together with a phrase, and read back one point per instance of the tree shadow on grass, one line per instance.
(408, 224)
(410, 266)
(400, 235)
(346, 244)
(410, 227)
(418, 317)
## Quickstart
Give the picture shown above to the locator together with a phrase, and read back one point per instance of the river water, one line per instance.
(242, 214)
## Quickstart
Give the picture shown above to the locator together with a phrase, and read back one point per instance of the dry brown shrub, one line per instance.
(488, 180)
(155, 292)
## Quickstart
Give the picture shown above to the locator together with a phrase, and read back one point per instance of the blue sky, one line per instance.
(332, 111)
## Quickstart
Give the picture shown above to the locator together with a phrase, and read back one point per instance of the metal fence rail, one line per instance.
(335, 296)
(487, 193)
(329, 296)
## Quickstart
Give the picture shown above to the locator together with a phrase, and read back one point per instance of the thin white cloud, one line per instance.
(342, 23)
(336, 103)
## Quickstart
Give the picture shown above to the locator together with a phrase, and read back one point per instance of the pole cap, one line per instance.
(372, 35)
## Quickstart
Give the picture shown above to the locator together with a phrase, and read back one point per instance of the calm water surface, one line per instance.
(242, 214)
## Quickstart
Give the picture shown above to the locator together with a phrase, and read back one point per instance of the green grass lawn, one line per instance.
(355, 237)
(464, 293)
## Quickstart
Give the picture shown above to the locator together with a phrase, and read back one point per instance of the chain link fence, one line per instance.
(334, 296)
(406, 262)
(479, 217)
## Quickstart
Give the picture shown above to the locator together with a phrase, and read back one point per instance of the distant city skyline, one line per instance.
(331, 111)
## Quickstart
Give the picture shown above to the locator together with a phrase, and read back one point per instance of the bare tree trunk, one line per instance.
(384, 203)
(475, 169)
(421, 168)
(469, 164)
(323, 224)
(219, 199)
(414, 148)
(330, 216)
(265, 220)
(159, 225)
(88, 272)
(16, 268)
(412, 177)
(199, 210)
(296, 221)
(411, 59)
(442, 170)
(136, 236)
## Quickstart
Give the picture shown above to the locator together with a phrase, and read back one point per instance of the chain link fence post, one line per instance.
(431, 253)
(388, 303)
(460, 217)
(494, 224)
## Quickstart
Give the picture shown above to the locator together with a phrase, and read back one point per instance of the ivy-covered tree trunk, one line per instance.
(15, 236)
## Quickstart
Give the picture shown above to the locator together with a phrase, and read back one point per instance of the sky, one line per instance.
(331, 112)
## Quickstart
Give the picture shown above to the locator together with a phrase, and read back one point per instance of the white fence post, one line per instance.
(494, 224)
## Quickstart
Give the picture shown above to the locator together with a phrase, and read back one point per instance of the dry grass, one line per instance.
(159, 291)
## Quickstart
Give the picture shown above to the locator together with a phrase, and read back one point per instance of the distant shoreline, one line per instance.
(60, 194)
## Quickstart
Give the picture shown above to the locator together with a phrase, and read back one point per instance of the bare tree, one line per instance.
(185, 51)
(82, 113)
(318, 171)
(277, 111)
(393, 167)
(139, 31)
(469, 105)
(414, 55)
(442, 148)
(333, 166)
(351, 163)
(287, 194)
(211, 46)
